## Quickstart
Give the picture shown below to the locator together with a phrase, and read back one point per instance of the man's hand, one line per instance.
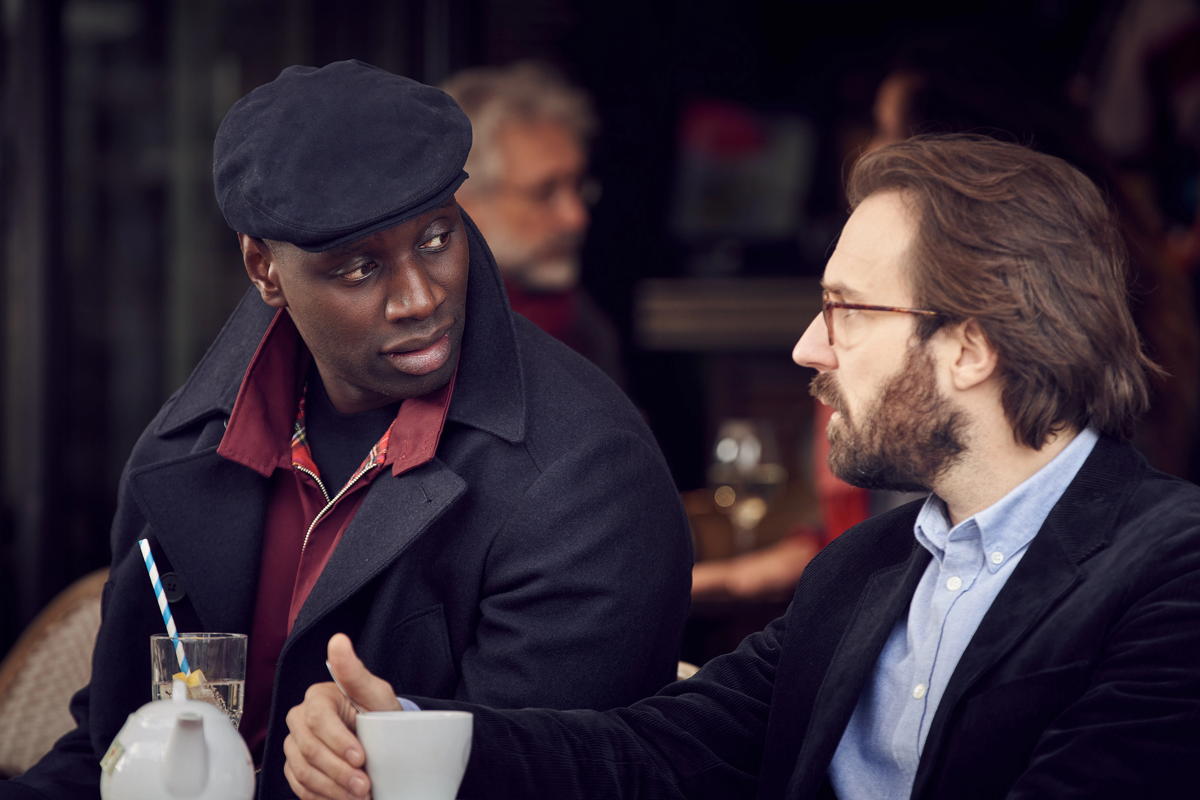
(767, 574)
(324, 758)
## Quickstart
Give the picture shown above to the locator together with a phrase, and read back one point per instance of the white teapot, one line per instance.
(174, 749)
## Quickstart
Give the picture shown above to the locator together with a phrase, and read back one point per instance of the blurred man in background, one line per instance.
(528, 192)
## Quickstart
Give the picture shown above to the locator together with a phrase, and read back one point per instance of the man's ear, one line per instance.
(974, 358)
(261, 269)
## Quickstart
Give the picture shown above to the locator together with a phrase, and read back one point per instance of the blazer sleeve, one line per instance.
(1135, 730)
(586, 585)
(701, 738)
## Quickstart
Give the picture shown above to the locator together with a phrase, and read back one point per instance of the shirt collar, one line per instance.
(1009, 524)
(258, 434)
(268, 414)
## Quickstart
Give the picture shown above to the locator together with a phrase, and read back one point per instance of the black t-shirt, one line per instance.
(339, 442)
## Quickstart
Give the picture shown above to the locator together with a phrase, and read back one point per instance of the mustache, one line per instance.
(824, 388)
(566, 245)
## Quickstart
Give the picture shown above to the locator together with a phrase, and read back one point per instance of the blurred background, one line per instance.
(722, 132)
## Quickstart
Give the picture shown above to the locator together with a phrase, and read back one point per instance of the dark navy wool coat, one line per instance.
(541, 559)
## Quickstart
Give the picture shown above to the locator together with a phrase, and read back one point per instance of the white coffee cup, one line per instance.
(415, 755)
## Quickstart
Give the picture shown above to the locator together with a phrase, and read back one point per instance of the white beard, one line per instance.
(546, 275)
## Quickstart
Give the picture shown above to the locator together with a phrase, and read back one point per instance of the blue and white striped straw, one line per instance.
(161, 597)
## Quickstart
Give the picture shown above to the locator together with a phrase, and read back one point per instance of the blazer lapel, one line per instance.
(885, 597)
(1079, 525)
(394, 513)
(1040, 580)
(206, 513)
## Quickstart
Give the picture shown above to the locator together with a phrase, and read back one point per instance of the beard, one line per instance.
(908, 437)
(548, 266)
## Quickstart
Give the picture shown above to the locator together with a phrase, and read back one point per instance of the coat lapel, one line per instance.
(213, 385)
(206, 513)
(1079, 525)
(395, 511)
(1039, 582)
(885, 597)
(489, 395)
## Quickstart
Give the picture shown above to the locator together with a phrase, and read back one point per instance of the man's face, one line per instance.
(532, 214)
(384, 315)
(907, 436)
(892, 426)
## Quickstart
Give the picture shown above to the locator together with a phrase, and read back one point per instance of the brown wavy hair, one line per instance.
(1025, 245)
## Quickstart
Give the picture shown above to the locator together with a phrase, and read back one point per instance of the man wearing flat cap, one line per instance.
(376, 445)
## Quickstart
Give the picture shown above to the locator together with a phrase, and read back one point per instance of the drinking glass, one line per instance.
(745, 475)
(220, 656)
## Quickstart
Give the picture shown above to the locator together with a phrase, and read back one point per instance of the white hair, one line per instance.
(526, 92)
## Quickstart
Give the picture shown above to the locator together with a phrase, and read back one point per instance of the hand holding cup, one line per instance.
(325, 759)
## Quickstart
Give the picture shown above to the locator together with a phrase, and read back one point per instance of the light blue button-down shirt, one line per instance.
(879, 750)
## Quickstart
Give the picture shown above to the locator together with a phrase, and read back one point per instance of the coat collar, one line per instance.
(489, 394)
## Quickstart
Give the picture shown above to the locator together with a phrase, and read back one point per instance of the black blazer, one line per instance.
(542, 558)
(1083, 679)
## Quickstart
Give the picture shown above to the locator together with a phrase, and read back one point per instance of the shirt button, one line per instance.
(997, 557)
(954, 584)
(919, 691)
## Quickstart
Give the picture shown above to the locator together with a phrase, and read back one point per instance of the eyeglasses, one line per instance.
(545, 194)
(829, 306)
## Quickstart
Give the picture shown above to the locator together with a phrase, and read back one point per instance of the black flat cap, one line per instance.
(321, 157)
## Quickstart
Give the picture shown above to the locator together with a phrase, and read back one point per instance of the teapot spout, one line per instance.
(185, 766)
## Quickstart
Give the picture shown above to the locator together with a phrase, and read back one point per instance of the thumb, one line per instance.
(368, 691)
